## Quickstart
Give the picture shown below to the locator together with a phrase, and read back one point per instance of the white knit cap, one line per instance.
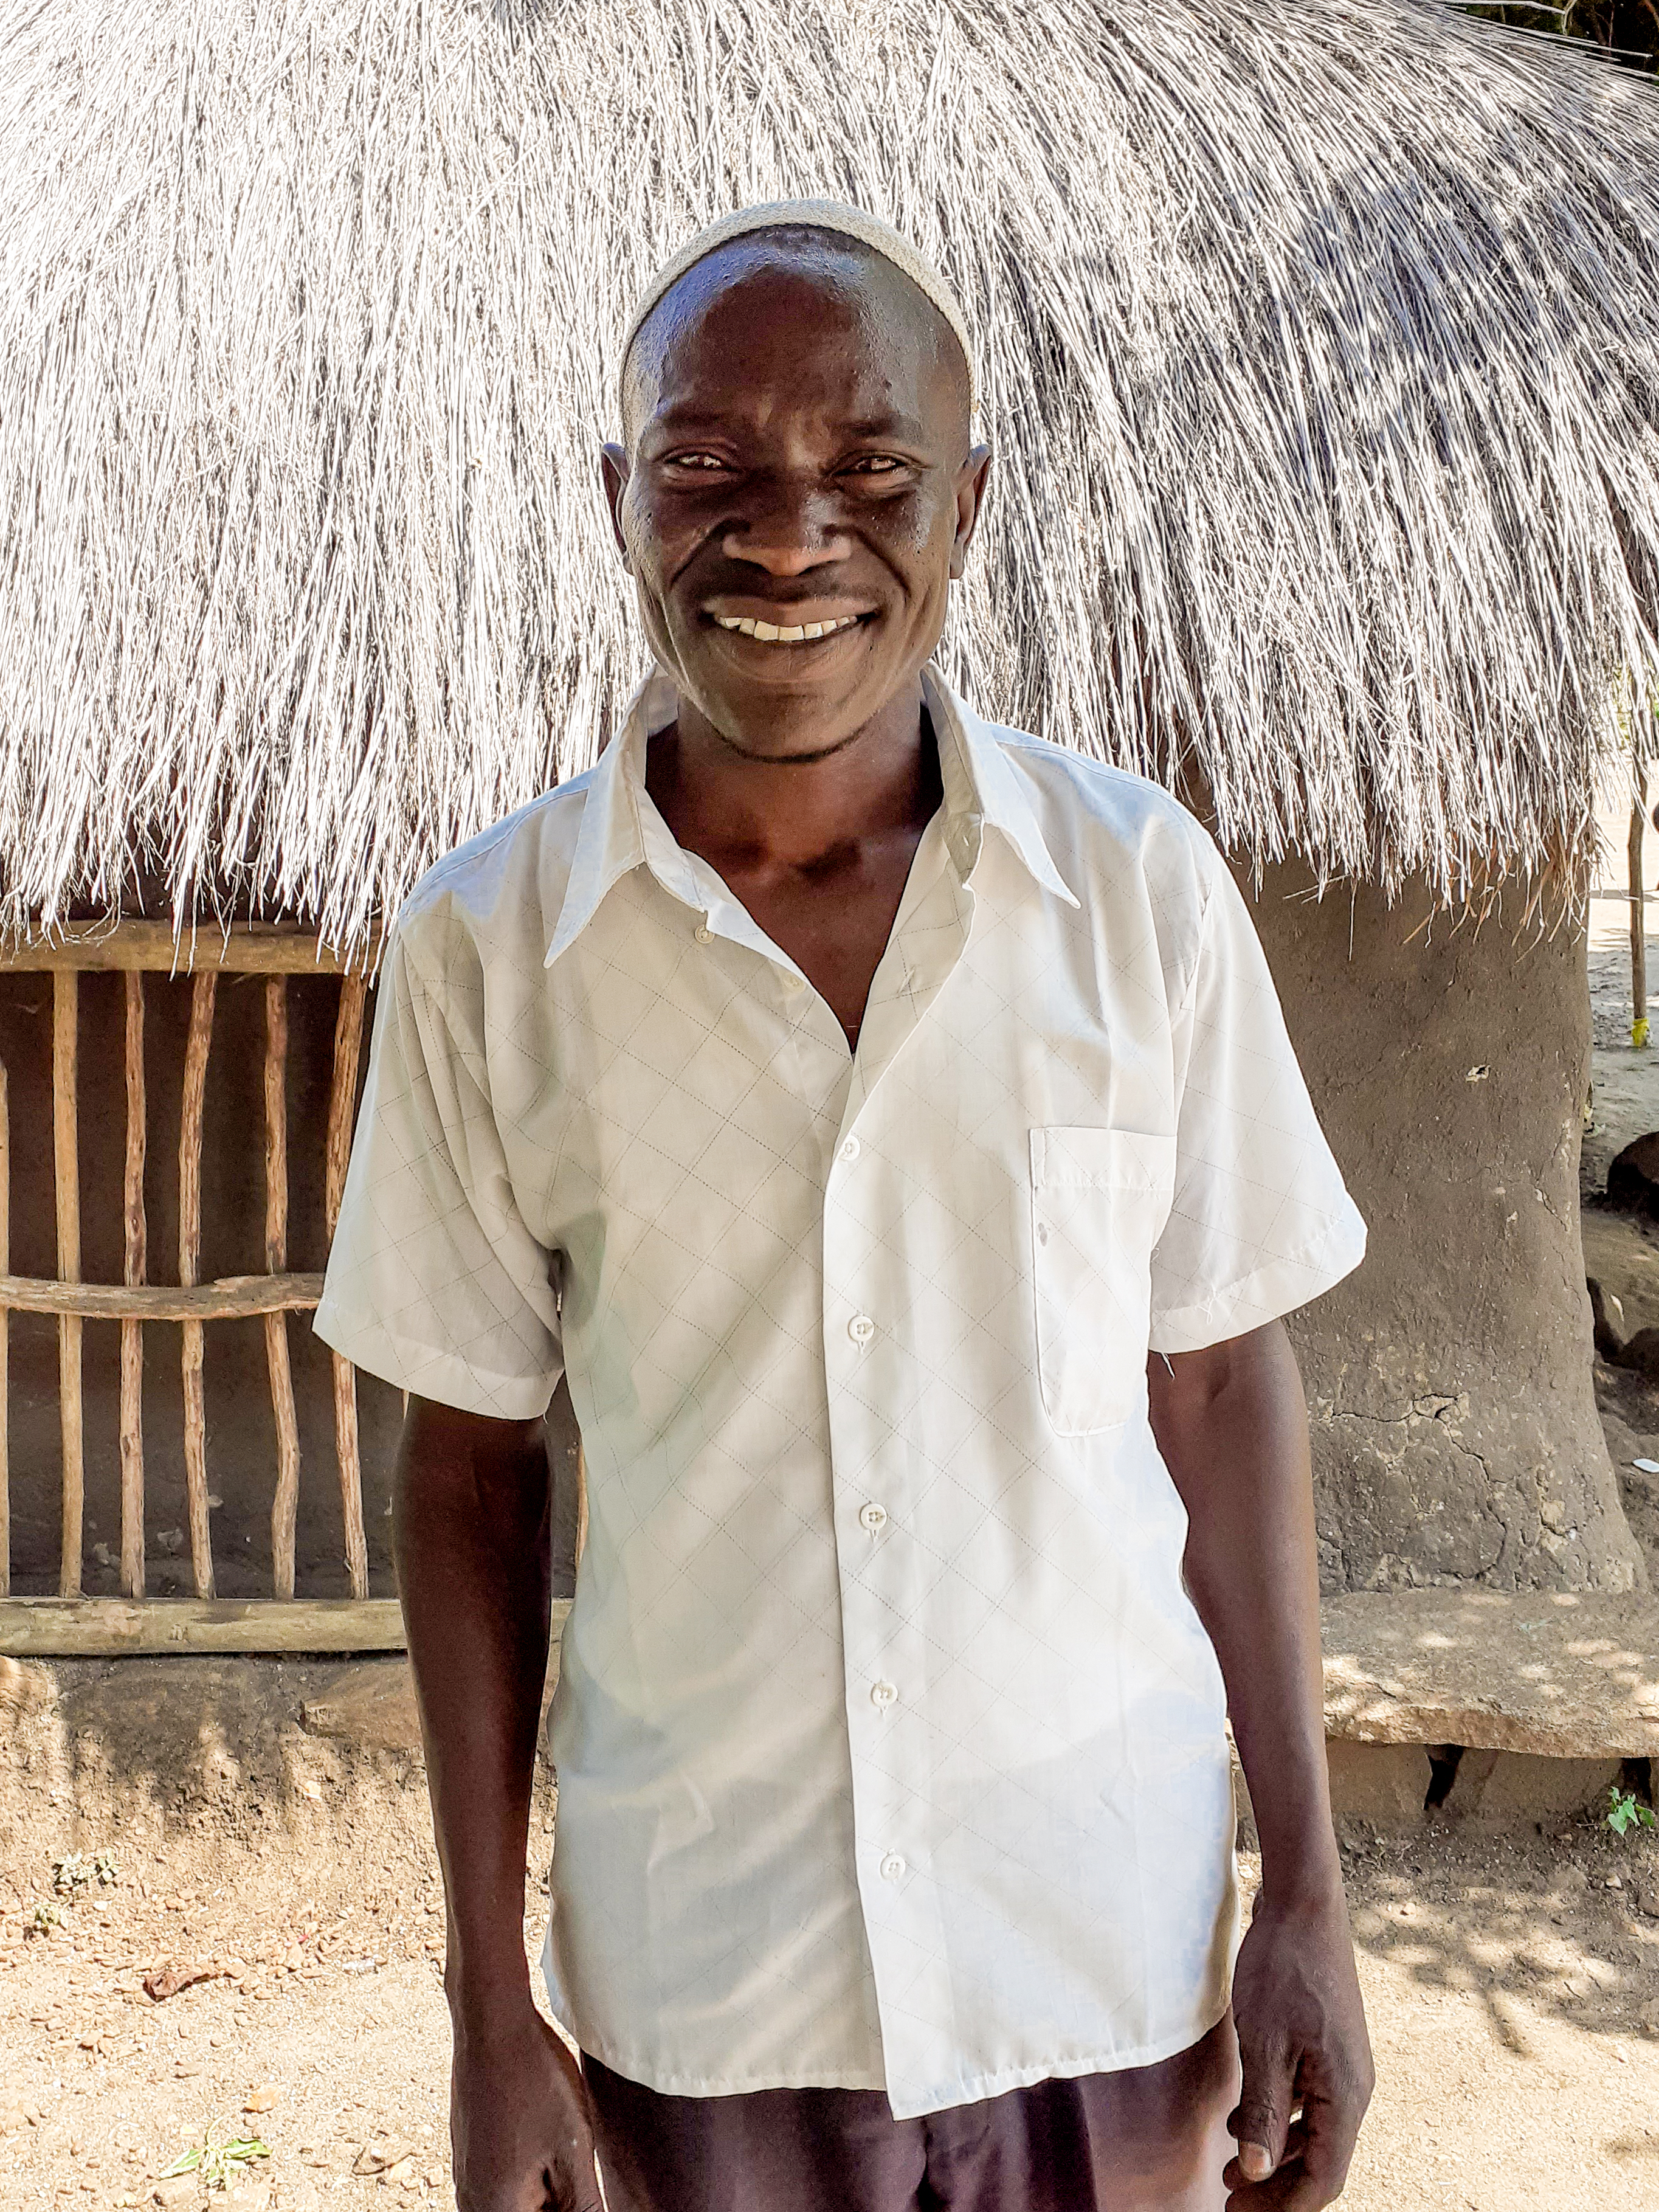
(817, 215)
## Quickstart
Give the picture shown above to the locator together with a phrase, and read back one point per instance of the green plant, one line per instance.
(1625, 1811)
(70, 1875)
(218, 2159)
(43, 1918)
(103, 1867)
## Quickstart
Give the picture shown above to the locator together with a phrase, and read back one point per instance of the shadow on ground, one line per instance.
(1527, 1923)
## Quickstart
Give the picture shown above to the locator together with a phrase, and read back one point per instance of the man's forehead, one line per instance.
(783, 297)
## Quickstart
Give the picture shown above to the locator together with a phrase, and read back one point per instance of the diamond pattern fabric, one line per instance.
(890, 1749)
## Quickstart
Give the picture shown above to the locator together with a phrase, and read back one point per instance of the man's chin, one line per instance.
(787, 726)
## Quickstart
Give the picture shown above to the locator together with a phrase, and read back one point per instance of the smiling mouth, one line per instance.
(799, 634)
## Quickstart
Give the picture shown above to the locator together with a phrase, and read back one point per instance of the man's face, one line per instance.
(798, 460)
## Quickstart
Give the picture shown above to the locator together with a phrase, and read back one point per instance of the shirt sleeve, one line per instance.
(1261, 1221)
(434, 1281)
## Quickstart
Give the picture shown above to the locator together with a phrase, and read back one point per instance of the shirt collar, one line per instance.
(982, 790)
(618, 833)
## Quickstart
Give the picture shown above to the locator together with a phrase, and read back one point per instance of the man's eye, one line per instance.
(695, 461)
(877, 464)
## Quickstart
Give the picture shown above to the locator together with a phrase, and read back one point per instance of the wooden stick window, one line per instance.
(134, 949)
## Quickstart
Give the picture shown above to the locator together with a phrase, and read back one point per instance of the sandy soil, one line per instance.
(1512, 1983)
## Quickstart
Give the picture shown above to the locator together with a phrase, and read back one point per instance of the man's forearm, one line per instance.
(470, 1535)
(1232, 1425)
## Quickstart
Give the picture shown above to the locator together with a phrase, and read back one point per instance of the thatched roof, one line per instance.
(1321, 344)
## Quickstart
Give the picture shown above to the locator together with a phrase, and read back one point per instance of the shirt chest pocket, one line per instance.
(1099, 1201)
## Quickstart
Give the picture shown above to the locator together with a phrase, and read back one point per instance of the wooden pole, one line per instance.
(114, 1627)
(1638, 926)
(136, 1263)
(5, 1341)
(285, 1504)
(244, 948)
(232, 1297)
(190, 1258)
(65, 1002)
(341, 1107)
(343, 1097)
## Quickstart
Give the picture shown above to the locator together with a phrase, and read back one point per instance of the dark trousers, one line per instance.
(1151, 2139)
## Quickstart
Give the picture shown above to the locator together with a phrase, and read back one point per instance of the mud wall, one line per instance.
(1455, 1434)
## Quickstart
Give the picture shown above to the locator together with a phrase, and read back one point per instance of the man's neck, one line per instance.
(764, 816)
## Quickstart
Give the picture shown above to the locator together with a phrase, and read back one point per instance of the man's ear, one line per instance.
(970, 498)
(614, 470)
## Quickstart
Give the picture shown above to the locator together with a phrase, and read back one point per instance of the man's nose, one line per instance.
(789, 538)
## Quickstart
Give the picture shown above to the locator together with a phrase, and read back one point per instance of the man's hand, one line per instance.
(1302, 2042)
(519, 2125)
(471, 1530)
(1233, 1427)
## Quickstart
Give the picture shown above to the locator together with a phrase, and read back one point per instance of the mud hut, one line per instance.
(1320, 349)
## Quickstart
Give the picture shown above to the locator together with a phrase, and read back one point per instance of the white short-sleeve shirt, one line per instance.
(890, 1746)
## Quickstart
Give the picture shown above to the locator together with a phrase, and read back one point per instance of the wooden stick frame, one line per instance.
(232, 1297)
(66, 1175)
(285, 1502)
(150, 947)
(203, 991)
(5, 1338)
(342, 1108)
(134, 949)
(135, 1241)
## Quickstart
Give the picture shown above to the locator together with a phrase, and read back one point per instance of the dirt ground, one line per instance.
(1512, 1983)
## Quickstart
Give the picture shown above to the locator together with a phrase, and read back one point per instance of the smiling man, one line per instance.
(887, 1122)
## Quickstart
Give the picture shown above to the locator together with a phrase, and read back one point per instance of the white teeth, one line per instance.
(771, 634)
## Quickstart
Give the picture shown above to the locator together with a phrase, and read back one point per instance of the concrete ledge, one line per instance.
(1561, 1675)
(113, 1627)
(1554, 1676)
(1386, 1785)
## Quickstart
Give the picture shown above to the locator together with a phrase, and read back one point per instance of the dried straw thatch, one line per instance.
(1321, 343)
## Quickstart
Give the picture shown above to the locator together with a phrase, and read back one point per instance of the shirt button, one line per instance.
(850, 1150)
(883, 1694)
(892, 1868)
(860, 1329)
(703, 934)
(874, 1518)
(792, 982)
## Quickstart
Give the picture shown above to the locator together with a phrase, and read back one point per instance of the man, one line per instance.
(887, 1122)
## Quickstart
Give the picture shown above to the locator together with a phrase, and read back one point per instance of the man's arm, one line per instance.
(1232, 1425)
(470, 1533)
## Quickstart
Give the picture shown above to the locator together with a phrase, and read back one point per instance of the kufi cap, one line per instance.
(817, 215)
